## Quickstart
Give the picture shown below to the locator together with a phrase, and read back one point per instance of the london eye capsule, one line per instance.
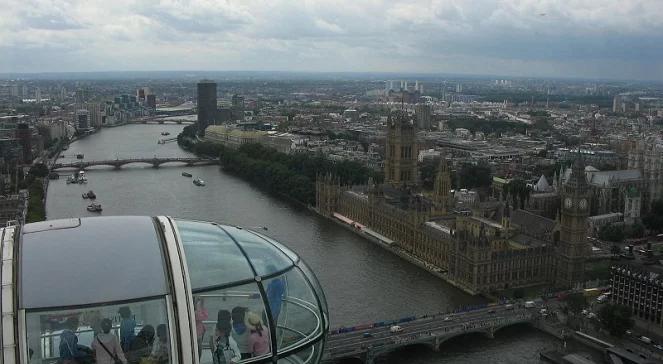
(140, 289)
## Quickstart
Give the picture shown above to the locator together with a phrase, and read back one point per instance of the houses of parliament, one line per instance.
(488, 248)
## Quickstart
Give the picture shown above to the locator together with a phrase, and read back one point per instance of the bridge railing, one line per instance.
(424, 334)
(461, 309)
(112, 162)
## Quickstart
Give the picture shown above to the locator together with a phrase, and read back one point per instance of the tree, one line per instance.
(36, 211)
(39, 170)
(611, 233)
(654, 219)
(616, 319)
(519, 192)
(615, 250)
(635, 231)
(471, 176)
(576, 302)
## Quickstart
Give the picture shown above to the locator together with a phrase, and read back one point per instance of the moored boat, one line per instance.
(94, 207)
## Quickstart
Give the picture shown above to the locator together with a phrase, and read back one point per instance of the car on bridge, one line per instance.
(395, 329)
(367, 334)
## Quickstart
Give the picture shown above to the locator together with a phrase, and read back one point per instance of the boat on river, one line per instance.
(198, 182)
(94, 207)
(165, 133)
(187, 174)
(89, 194)
(79, 177)
(82, 178)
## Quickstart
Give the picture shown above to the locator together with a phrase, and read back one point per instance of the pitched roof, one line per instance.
(532, 224)
(606, 178)
(542, 185)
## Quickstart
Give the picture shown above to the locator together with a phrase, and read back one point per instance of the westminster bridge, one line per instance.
(367, 342)
(155, 162)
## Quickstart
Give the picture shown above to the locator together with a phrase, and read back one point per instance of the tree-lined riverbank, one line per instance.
(291, 175)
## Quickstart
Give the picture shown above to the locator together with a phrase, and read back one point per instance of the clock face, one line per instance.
(583, 204)
(568, 203)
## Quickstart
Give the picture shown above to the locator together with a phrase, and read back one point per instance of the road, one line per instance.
(441, 324)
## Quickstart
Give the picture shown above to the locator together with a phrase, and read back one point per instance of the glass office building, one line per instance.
(155, 290)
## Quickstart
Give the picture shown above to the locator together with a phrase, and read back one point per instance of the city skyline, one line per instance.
(582, 39)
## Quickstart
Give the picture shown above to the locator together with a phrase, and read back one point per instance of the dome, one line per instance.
(156, 288)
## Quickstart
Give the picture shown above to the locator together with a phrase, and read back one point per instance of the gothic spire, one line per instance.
(577, 178)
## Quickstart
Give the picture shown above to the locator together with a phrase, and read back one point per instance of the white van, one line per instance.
(395, 328)
(530, 304)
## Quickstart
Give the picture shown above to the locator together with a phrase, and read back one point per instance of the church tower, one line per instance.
(441, 189)
(573, 248)
(400, 166)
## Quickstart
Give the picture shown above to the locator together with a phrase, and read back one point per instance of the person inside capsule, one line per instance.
(158, 290)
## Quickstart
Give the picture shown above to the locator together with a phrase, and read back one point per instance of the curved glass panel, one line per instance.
(136, 331)
(308, 355)
(294, 257)
(294, 308)
(212, 256)
(318, 289)
(265, 257)
(232, 323)
(105, 259)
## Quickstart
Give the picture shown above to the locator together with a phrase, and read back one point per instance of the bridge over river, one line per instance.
(118, 163)
(366, 342)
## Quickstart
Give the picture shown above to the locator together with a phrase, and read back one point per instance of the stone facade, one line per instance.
(646, 155)
(513, 248)
(573, 248)
(400, 167)
(482, 249)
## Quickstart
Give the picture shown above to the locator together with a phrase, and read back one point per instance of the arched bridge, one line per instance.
(370, 341)
(118, 163)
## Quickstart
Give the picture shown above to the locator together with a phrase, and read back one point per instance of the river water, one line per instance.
(363, 283)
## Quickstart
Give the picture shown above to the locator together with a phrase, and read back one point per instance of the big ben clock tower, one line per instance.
(573, 248)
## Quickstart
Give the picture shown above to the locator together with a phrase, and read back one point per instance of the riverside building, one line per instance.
(481, 248)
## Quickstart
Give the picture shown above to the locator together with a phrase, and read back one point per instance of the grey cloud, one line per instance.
(600, 36)
(51, 22)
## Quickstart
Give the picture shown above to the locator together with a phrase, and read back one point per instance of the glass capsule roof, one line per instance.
(218, 255)
(89, 267)
(65, 262)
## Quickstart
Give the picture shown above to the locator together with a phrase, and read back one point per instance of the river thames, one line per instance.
(362, 282)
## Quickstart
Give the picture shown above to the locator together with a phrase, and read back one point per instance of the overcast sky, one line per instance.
(572, 38)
